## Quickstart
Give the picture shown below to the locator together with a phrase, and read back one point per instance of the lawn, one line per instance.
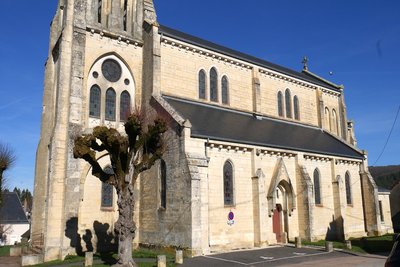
(371, 244)
(109, 259)
(4, 251)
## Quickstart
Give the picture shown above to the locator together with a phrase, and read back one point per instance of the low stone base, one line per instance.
(31, 260)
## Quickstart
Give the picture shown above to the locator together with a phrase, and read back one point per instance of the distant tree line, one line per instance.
(386, 176)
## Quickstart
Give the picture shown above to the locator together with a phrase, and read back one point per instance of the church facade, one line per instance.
(257, 154)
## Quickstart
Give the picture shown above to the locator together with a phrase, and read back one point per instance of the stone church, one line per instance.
(257, 153)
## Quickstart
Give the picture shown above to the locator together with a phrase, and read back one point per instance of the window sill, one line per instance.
(319, 205)
(107, 209)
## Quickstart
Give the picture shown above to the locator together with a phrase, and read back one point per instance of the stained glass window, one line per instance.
(95, 100)
(110, 105)
(107, 191)
(228, 183)
(296, 107)
(348, 188)
(202, 84)
(280, 104)
(163, 184)
(125, 106)
(225, 90)
(317, 187)
(288, 104)
(125, 18)
(213, 85)
(99, 8)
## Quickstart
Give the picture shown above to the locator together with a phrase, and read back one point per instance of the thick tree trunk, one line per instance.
(125, 227)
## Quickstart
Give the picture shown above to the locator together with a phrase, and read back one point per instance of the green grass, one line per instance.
(373, 244)
(110, 258)
(4, 251)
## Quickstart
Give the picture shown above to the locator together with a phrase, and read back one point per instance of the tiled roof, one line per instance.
(11, 211)
(224, 124)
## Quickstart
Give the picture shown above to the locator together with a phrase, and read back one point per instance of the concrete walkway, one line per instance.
(10, 261)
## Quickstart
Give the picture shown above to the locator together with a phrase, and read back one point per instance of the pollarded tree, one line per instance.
(130, 155)
(7, 159)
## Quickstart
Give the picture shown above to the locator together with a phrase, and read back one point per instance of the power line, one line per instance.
(390, 133)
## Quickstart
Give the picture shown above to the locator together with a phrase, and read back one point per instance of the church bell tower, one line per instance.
(83, 35)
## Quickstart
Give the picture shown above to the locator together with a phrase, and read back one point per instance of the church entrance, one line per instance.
(277, 223)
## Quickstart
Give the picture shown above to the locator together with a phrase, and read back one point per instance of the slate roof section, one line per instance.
(242, 56)
(223, 124)
(11, 212)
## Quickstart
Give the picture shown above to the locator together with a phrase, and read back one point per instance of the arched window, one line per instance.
(107, 191)
(228, 183)
(288, 103)
(110, 105)
(95, 100)
(280, 104)
(348, 189)
(99, 8)
(125, 106)
(163, 184)
(335, 127)
(296, 108)
(225, 90)
(202, 84)
(317, 187)
(213, 85)
(125, 18)
(328, 119)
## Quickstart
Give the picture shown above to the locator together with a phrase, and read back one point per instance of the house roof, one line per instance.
(224, 124)
(305, 76)
(11, 212)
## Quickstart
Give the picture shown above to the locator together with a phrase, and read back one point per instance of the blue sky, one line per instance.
(358, 41)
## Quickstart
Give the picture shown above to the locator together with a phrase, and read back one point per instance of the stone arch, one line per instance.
(281, 179)
(119, 77)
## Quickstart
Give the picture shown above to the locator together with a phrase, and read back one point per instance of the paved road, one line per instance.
(285, 256)
(10, 261)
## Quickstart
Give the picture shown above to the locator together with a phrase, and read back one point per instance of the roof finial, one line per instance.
(305, 62)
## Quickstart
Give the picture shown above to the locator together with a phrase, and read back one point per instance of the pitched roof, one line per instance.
(11, 212)
(245, 57)
(224, 124)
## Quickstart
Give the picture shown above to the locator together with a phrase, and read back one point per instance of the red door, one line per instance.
(276, 223)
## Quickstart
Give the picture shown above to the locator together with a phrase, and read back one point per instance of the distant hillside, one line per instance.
(386, 176)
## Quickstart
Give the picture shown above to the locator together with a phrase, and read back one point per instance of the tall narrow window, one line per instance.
(328, 119)
(95, 100)
(202, 84)
(99, 8)
(163, 184)
(348, 188)
(125, 106)
(317, 187)
(288, 103)
(107, 191)
(334, 122)
(110, 104)
(125, 18)
(381, 211)
(228, 183)
(213, 85)
(280, 104)
(225, 90)
(296, 108)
